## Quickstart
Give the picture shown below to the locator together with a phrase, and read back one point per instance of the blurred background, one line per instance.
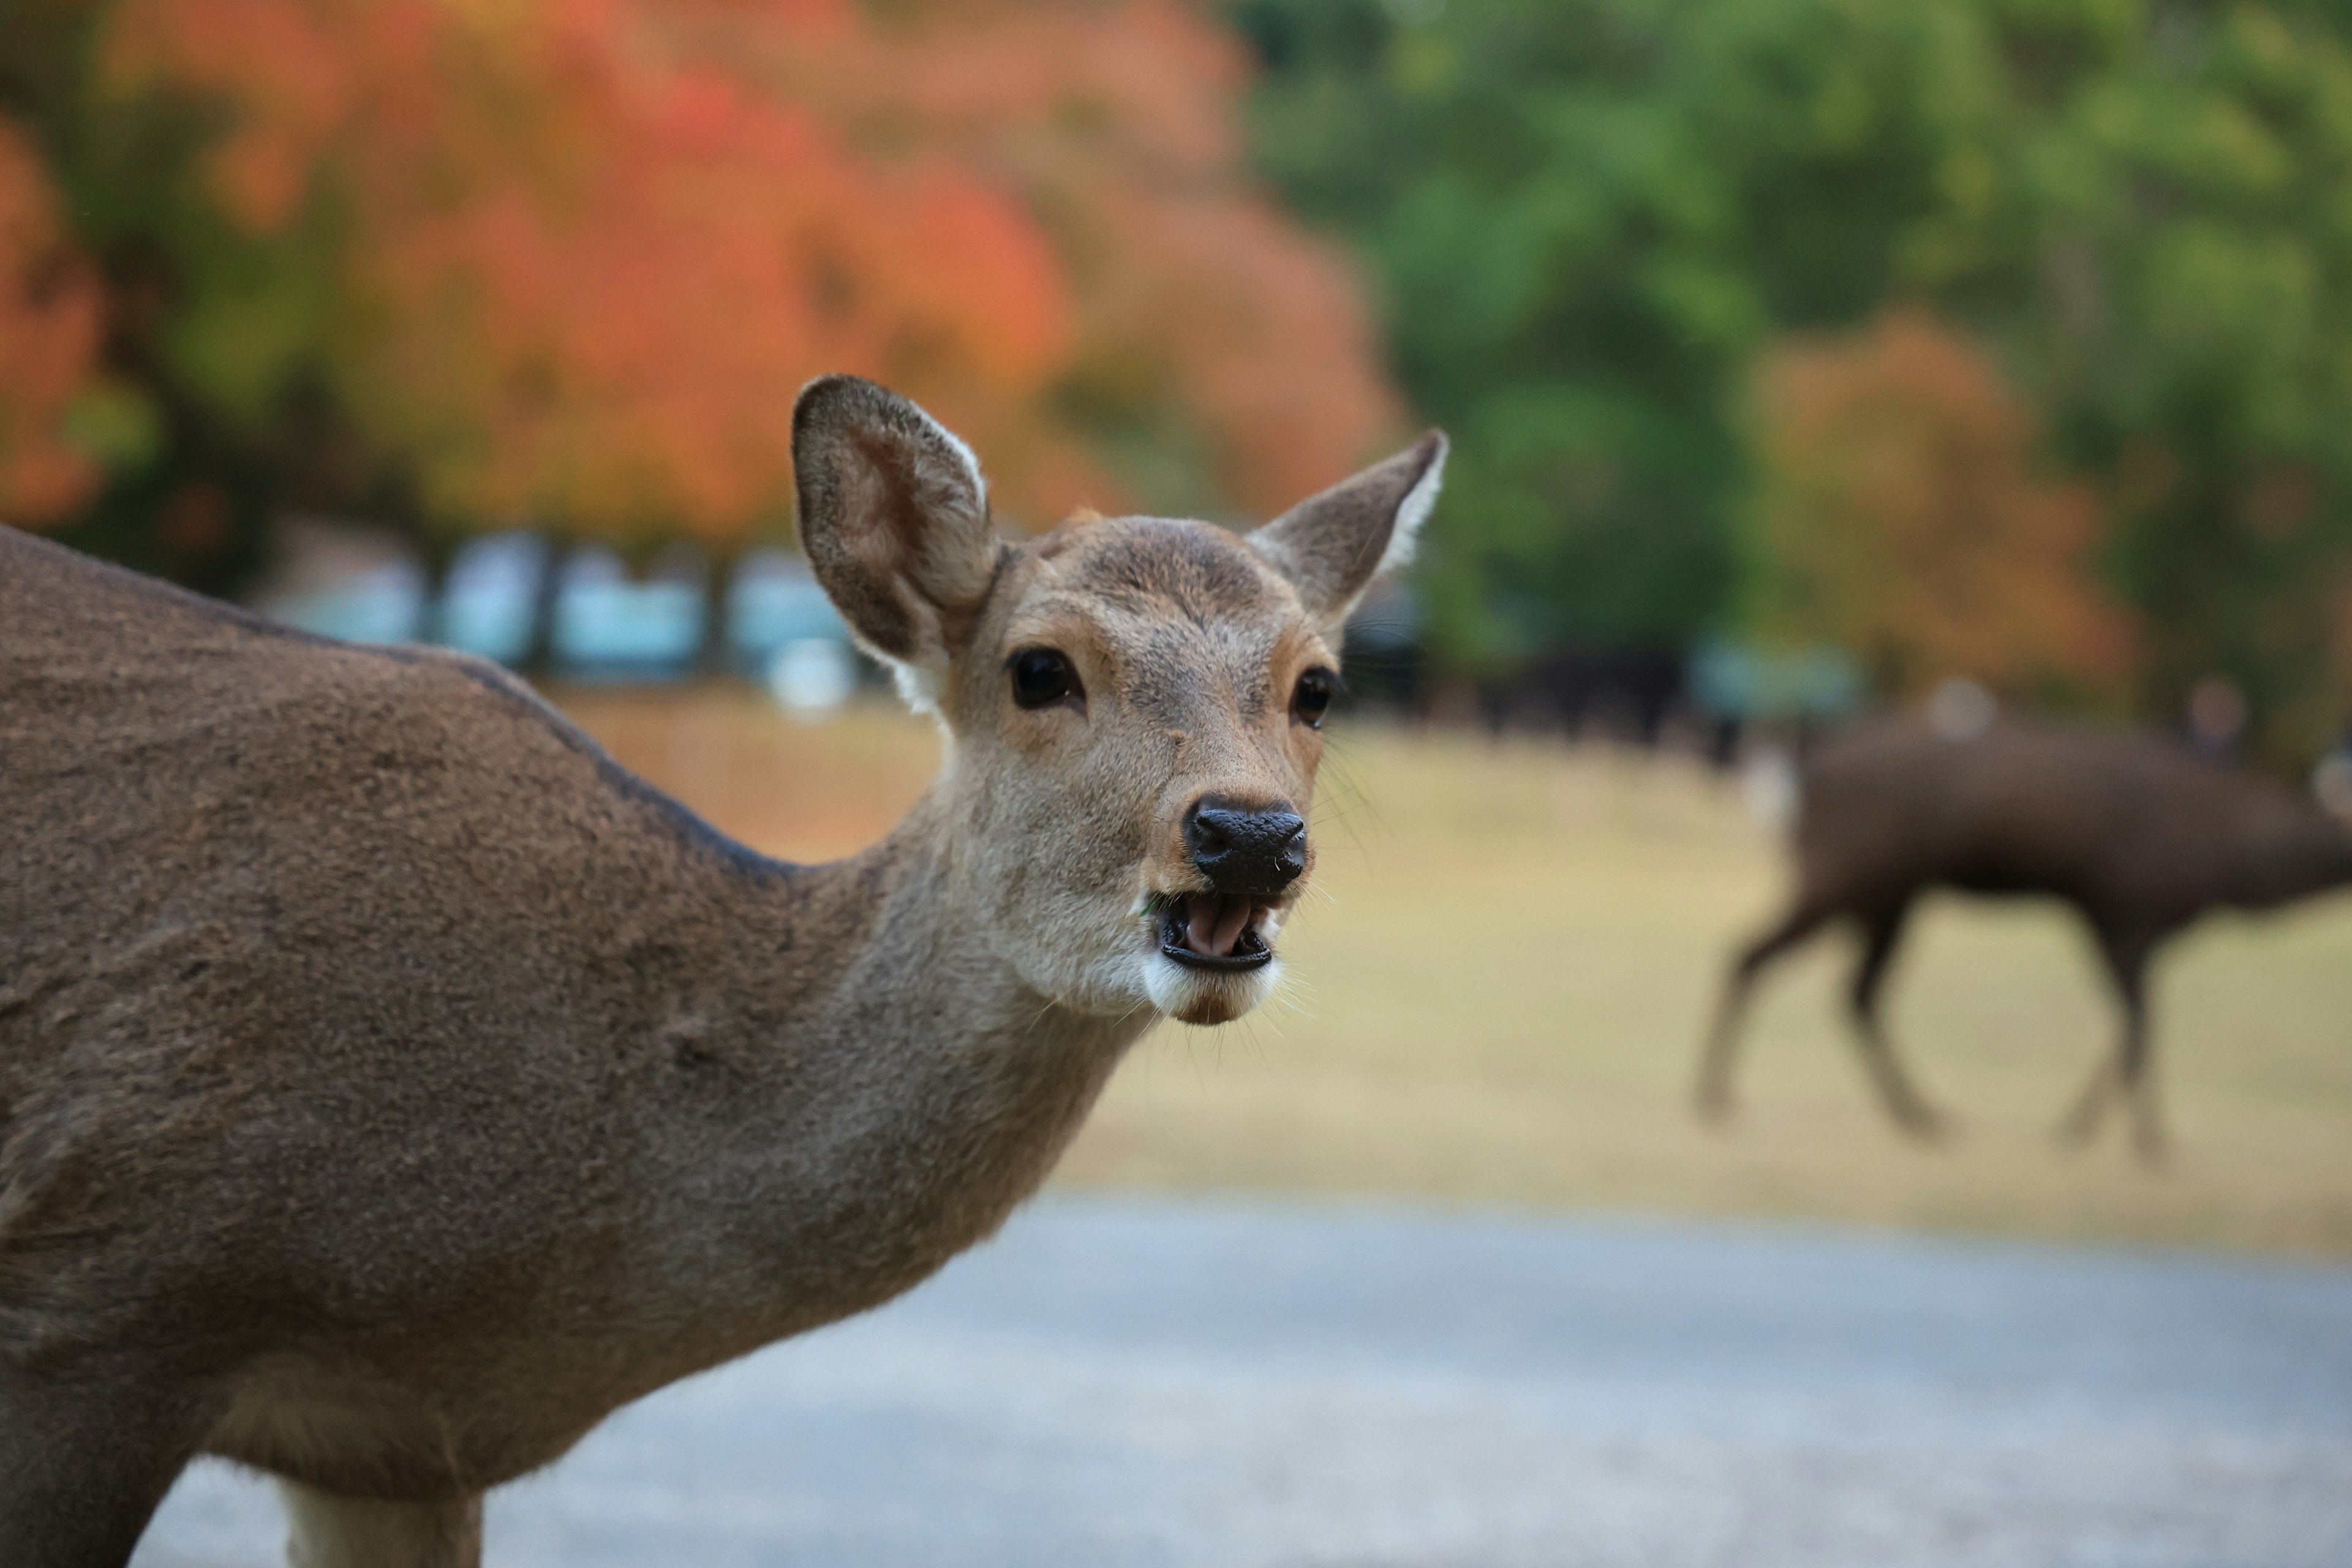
(1801, 356)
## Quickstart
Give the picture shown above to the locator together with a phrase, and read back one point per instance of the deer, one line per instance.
(392, 1086)
(2140, 836)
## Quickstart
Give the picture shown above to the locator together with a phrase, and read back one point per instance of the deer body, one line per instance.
(391, 1086)
(2141, 837)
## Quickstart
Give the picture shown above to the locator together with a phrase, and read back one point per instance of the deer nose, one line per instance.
(1244, 851)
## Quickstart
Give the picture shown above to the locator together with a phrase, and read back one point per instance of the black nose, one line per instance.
(1244, 851)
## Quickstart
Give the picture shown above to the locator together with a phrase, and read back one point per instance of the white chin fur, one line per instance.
(1205, 995)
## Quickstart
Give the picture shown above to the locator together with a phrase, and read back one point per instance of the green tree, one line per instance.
(2157, 224)
(1588, 218)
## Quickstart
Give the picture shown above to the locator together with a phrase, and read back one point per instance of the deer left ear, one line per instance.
(894, 516)
(1332, 546)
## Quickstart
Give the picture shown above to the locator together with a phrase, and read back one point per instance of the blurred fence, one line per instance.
(579, 614)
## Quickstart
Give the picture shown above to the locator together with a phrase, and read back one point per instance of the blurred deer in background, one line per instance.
(391, 1086)
(2138, 835)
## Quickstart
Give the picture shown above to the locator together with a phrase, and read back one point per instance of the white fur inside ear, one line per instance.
(918, 684)
(1413, 512)
(919, 688)
(965, 454)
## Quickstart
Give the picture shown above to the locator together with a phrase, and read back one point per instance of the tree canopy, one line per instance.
(1589, 219)
(568, 261)
(1897, 514)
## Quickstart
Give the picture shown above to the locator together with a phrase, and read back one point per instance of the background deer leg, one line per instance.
(83, 1462)
(2129, 962)
(2081, 1124)
(334, 1532)
(2149, 1140)
(1882, 930)
(2124, 1070)
(1723, 1038)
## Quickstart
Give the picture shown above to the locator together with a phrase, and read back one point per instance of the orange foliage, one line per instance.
(582, 274)
(1900, 517)
(1197, 301)
(49, 323)
(586, 251)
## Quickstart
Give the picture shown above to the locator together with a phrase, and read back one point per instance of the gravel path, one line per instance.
(1183, 1385)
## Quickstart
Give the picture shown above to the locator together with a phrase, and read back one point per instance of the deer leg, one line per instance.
(2081, 1124)
(1882, 930)
(330, 1531)
(2138, 1085)
(2123, 1071)
(2149, 1140)
(83, 1463)
(1731, 1009)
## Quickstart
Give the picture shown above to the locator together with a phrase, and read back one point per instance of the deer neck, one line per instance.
(2307, 853)
(2334, 866)
(879, 1094)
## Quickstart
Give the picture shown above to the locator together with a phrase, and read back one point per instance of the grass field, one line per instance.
(1499, 982)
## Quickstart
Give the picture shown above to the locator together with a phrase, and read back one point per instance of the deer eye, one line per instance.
(1312, 700)
(1042, 678)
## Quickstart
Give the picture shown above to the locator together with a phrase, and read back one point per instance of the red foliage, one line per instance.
(583, 252)
(1201, 313)
(583, 273)
(1901, 517)
(49, 325)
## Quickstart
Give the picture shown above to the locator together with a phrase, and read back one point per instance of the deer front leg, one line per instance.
(2127, 952)
(2149, 1140)
(1713, 1090)
(84, 1460)
(330, 1530)
(1882, 931)
(2081, 1124)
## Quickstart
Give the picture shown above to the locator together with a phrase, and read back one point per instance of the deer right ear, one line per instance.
(1331, 546)
(894, 516)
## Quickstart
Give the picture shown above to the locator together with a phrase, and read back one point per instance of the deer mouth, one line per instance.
(1223, 931)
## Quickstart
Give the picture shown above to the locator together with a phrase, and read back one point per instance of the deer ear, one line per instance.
(894, 516)
(1332, 546)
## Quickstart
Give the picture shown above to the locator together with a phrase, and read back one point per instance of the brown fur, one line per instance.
(391, 1086)
(2138, 835)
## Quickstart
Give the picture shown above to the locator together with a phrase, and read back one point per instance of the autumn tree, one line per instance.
(48, 341)
(1899, 513)
(1221, 355)
(567, 260)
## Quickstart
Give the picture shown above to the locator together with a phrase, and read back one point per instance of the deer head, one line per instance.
(1133, 706)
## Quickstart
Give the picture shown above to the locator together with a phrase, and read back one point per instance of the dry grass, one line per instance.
(1502, 976)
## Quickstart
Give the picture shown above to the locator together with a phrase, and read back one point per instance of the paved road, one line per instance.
(1162, 1385)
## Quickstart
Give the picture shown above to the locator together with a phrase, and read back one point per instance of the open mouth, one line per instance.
(1215, 930)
